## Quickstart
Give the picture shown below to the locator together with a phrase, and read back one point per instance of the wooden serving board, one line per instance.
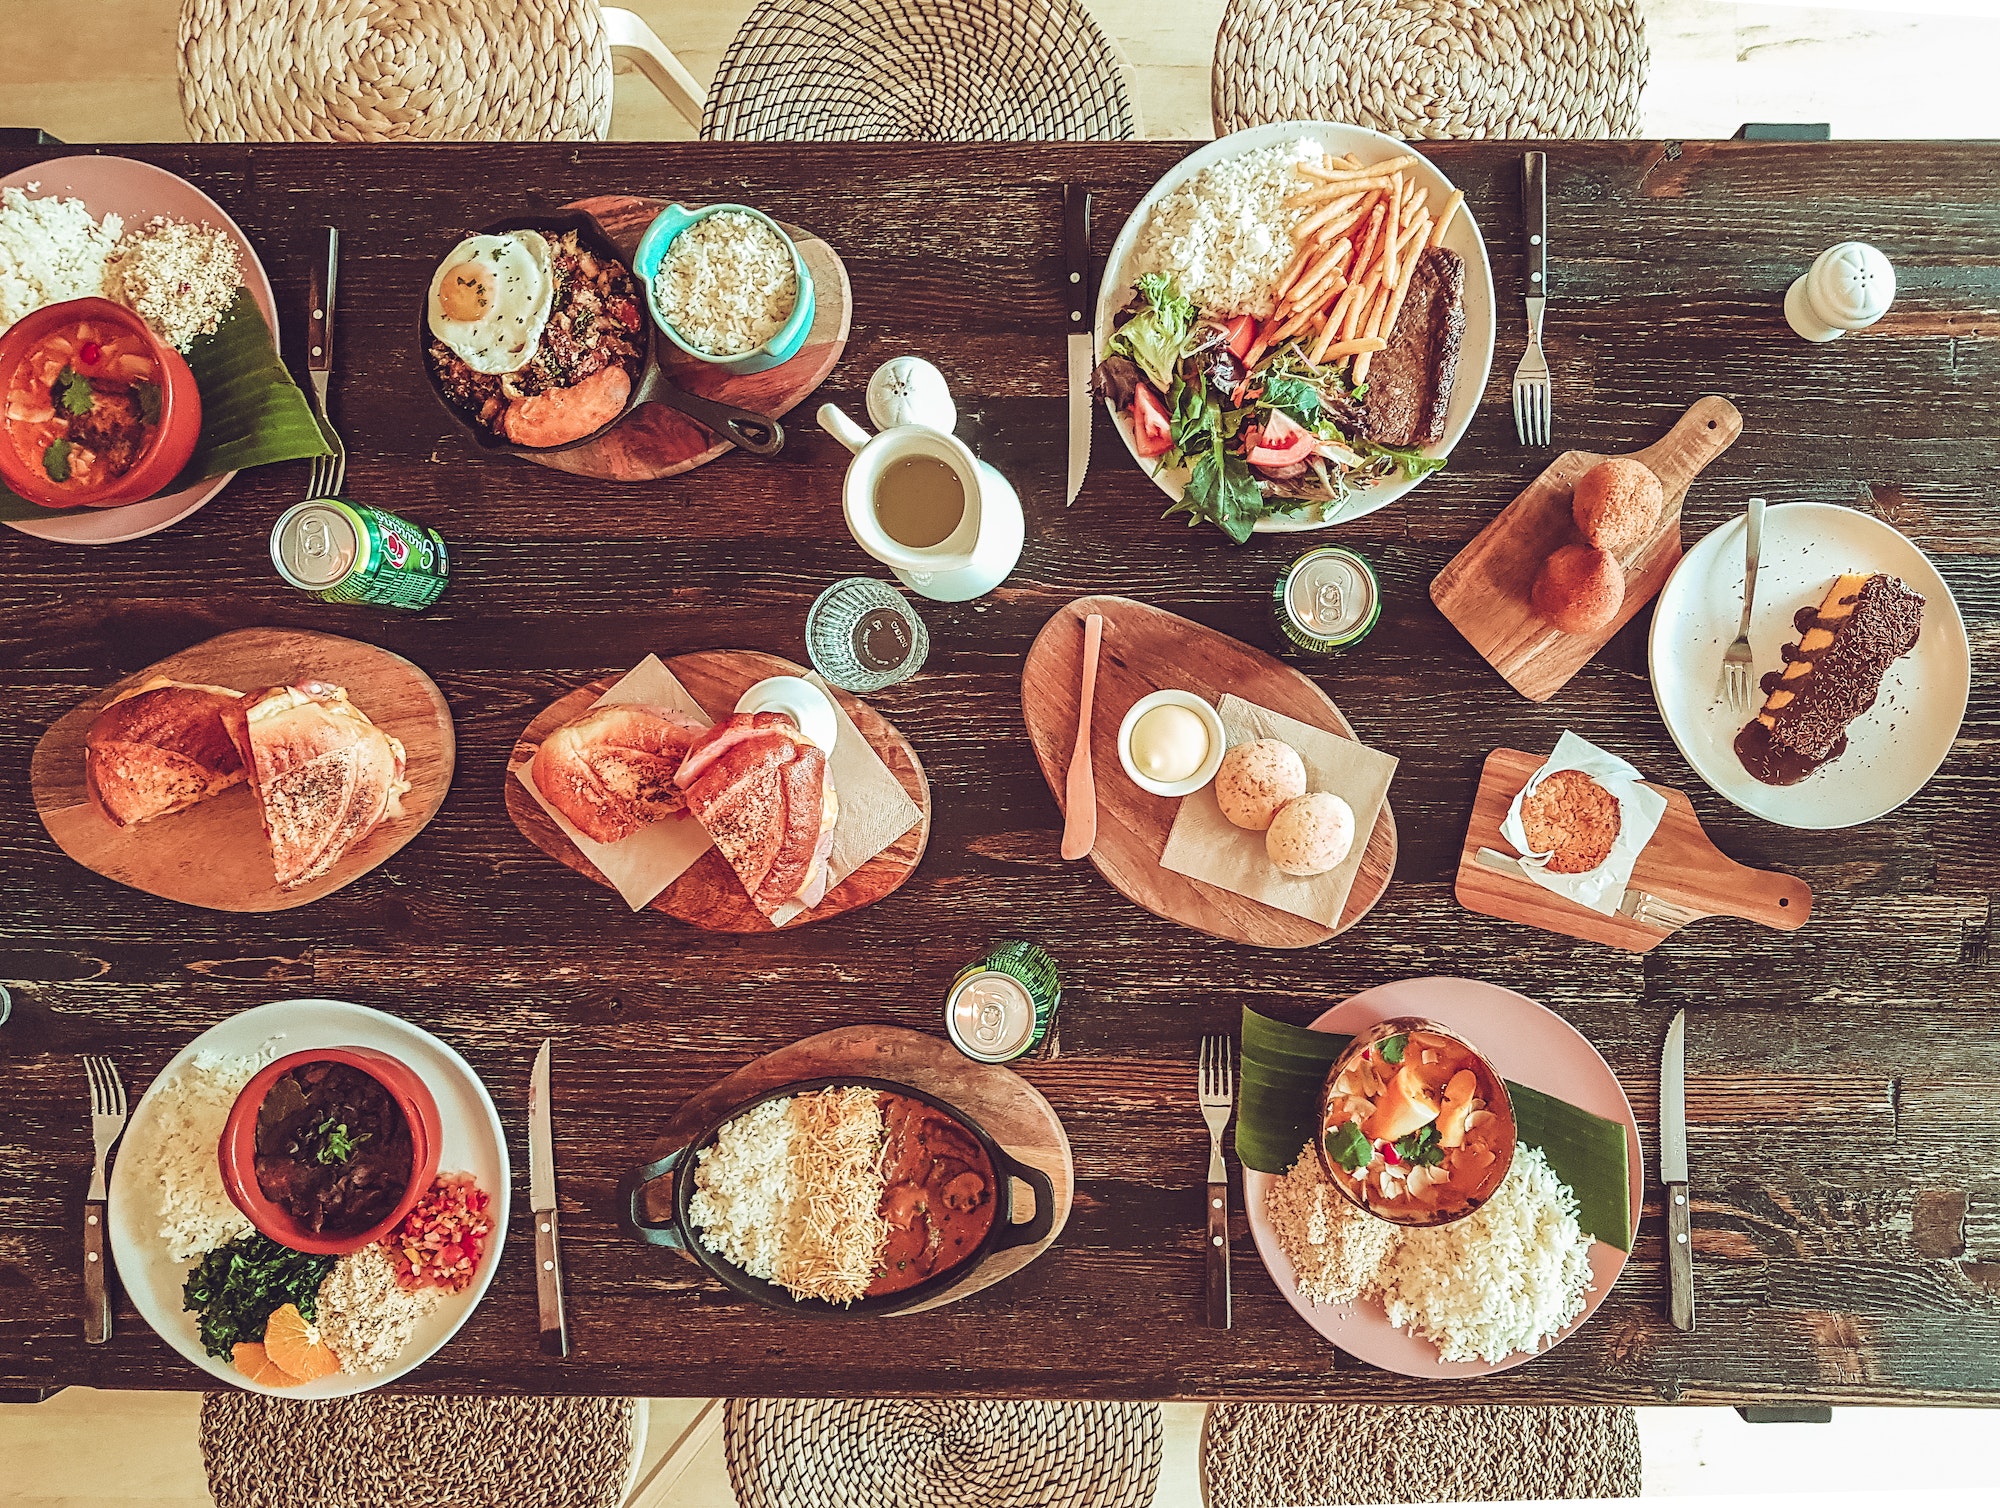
(1012, 1111)
(1484, 590)
(215, 854)
(709, 895)
(1680, 865)
(1145, 650)
(656, 441)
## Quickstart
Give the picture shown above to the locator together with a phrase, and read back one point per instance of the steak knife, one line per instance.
(542, 1204)
(1076, 294)
(1674, 1172)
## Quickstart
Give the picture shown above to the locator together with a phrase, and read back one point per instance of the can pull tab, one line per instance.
(315, 540)
(1328, 603)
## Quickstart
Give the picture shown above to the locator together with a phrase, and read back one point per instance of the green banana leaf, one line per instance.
(252, 413)
(1277, 1115)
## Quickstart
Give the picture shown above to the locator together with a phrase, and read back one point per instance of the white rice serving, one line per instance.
(1225, 235)
(51, 250)
(1505, 1279)
(365, 1317)
(727, 283)
(180, 1161)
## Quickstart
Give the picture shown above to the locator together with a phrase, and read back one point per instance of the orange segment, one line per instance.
(293, 1343)
(255, 1363)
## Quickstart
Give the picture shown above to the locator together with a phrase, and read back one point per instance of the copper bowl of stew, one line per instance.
(325, 1151)
(1002, 1232)
(1415, 1126)
(97, 411)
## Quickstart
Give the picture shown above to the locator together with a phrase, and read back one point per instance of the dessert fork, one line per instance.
(107, 1122)
(1217, 1087)
(328, 471)
(1739, 668)
(1531, 377)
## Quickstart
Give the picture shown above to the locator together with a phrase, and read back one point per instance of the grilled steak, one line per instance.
(1409, 384)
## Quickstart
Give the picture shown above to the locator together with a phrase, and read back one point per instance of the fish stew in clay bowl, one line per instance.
(1415, 1126)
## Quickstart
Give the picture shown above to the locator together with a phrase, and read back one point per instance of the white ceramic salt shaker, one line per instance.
(909, 390)
(805, 704)
(1849, 287)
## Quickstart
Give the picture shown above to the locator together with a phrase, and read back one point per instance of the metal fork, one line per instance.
(1739, 668)
(1650, 911)
(1531, 377)
(1217, 1087)
(329, 472)
(107, 1123)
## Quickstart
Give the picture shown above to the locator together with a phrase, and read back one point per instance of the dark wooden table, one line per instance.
(1845, 1149)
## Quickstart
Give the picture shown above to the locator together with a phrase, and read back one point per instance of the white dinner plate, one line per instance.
(1525, 1042)
(1892, 749)
(136, 192)
(473, 1143)
(1475, 356)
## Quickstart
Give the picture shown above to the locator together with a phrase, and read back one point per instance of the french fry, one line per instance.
(1332, 175)
(1444, 216)
(1290, 326)
(1338, 312)
(1312, 288)
(1330, 211)
(1351, 325)
(1361, 348)
(1370, 246)
(1393, 231)
(1303, 256)
(1326, 235)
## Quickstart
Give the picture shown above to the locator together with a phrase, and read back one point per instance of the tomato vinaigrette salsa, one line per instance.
(84, 404)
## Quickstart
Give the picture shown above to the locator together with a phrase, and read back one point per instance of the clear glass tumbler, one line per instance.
(862, 635)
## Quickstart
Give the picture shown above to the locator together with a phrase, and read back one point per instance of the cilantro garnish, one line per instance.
(1348, 1147)
(336, 1142)
(148, 394)
(1391, 1048)
(1421, 1147)
(55, 461)
(73, 391)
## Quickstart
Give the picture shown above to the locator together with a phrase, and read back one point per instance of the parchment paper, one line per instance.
(1640, 809)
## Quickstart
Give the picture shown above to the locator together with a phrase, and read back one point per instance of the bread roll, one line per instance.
(1311, 835)
(1579, 589)
(1617, 504)
(612, 771)
(1256, 779)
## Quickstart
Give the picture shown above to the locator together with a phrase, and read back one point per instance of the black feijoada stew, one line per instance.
(333, 1148)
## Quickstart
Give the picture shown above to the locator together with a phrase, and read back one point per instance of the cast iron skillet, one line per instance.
(678, 1233)
(759, 434)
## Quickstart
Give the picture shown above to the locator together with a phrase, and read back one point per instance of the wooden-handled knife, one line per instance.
(1674, 1172)
(542, 1207)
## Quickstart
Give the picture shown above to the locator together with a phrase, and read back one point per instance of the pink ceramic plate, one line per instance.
(1527, 1043)
(136, 192)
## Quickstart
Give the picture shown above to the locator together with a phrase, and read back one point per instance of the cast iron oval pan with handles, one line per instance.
(677, 1233)
(759, 434)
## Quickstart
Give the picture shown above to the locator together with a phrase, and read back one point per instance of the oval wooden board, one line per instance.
(1146, 649)
(709, 895)
(1681, 865)
(1484, 589)
(656, 441)
(215, 854)
(1012, 1111)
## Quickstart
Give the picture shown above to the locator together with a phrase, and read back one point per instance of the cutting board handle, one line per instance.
(1705, 431)
(1765, 896)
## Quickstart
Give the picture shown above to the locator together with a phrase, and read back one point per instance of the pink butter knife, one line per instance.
(1080, 795)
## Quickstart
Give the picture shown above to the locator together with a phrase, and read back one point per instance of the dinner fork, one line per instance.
(1531, 377)
(329, 471)
(1217, 1086)
(107, 1121)
(1739, 667)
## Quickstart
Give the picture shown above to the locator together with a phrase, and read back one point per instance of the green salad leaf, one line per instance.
(235, 1289)
(1408, 462)
(1156, 336)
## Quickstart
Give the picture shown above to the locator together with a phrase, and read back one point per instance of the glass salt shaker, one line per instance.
(862, 635)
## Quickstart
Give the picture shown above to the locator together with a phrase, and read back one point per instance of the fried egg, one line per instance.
(490, 299)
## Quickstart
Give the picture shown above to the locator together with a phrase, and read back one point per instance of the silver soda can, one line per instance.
(1327, 600)
(1001, 1007)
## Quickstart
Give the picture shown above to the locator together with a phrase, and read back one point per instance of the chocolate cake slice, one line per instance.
(1831, 675)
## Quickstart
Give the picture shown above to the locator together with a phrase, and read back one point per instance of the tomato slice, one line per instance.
(1242, 335)
(1288, 455)
(1281, 429)
(1152, 429)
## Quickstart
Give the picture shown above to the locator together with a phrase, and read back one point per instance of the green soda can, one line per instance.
(350, 552)
(1001, 1007)
(1326, 601)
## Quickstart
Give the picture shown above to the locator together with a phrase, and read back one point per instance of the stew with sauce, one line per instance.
(333, 1148)
(84, 404)
(939, 1202)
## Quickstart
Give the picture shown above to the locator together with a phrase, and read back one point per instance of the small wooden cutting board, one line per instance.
(1680, 866)
(709, 895)
(1010, 1110)
(215, 854)
(1484, 590)
(656, 441)
(1146, 650)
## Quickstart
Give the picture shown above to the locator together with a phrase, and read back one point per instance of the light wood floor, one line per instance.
(1715, 65)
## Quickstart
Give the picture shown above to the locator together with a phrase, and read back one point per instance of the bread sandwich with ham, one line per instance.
(160, 748)
(762, 791)
(611, 771)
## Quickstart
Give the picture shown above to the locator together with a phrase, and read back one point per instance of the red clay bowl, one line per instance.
(237, 1151)
(165, 454)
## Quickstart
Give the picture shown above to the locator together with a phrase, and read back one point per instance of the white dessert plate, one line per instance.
(136, 192)
(1475, 355)
(473, 1143)
(1893, 749)
(1525, 1042)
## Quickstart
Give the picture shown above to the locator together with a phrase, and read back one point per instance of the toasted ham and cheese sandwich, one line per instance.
(611, 771)
(325, 776)
(160, 748)
(762, 791)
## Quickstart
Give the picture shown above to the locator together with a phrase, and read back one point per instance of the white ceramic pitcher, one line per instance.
(970, 561)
